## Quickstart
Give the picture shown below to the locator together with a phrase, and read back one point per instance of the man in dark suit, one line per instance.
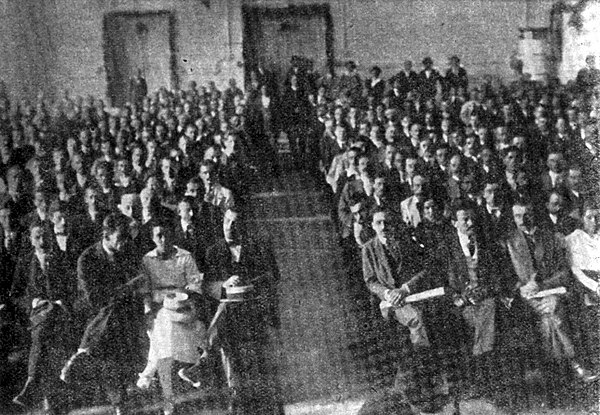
(492, 214)
(555, 215)
(588, 78)
(393, 268)
(236, 259)
(474, 272)
(87, 227)
(404, 81)
(554, 177)
(296, 110)
(138, 88)
(538, 262)
(575, 192)
(186, 232)
(456, 76)
(10, 238)
(429, 80)
(50, 294)
(109, 349)
(375, 86)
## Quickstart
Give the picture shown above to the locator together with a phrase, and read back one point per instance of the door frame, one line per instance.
(109, 61)
(251, 25)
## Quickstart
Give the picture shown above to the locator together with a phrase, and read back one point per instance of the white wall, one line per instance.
(66, 48)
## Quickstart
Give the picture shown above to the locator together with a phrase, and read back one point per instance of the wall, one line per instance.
(68, 50)
(484, 33)
(57, 44)
(22, 67)
(579, 43)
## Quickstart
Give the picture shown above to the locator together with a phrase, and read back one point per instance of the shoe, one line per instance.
(77, 368)
(583, 374)
(169, 408)
(189, 375)
(193, 374)
(144, 382)
(25, 397)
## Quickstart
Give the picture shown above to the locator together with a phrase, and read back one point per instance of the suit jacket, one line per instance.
(458, 80)
(345, 216)
(114, 313)
(546, 181)
(99, 278)
(375, 91)
(257, 265)
(489, 269)
(406, 82)
(564, 225)
(428, 86)
(53, 284)
(548, 261)
(86, 230)
(379, 271)
(192, 240)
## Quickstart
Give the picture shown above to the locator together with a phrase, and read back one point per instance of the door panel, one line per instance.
(280, 34)
(137, 41)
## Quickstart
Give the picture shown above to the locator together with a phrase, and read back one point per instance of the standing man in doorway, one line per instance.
(138, 88)
(295, 120)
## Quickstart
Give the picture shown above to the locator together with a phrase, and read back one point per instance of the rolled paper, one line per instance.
(551, 291)
(414, 298)
(425, 295)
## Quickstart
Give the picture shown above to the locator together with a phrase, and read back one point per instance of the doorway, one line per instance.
(273, 35)
(138, 42)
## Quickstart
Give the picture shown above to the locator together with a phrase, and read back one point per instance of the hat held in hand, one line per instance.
(179, 307)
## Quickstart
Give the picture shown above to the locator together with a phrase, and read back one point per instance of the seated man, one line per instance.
(392, 269)
(474, 272)
(411, 207)
(238, 259)
(51, 297)
(168, 269)
(539, 263)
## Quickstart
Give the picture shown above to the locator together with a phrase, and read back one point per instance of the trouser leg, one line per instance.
(412, 318)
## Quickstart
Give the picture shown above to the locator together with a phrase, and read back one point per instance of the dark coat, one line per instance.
(257, 265)
(115, 313)
(380, 274)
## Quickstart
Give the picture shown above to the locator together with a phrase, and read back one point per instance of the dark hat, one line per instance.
(427, 61)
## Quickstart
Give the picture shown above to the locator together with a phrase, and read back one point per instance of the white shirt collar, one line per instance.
(464, 244)
(154, 253)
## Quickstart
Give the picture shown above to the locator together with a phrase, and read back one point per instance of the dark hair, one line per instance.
(461, 204)
(589, 204)
(163, 222)
(524, 202)
(115, 222)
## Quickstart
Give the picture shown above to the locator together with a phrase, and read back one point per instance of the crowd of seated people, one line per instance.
(107, 213)
(488, 191)
(113, 224)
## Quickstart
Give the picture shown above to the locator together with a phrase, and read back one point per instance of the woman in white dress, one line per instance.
(176, 333)
(584, 256)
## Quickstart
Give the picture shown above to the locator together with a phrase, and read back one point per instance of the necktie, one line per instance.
(531, 246)
(471, 246)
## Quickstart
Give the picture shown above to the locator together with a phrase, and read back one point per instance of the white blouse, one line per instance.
(584, 254)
